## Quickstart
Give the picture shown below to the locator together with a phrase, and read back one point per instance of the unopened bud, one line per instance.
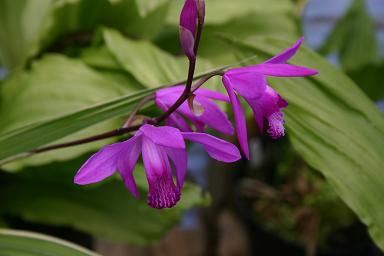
(201, 10)
(187, 41)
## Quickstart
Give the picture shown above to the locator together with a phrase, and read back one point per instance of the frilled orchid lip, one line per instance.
(211, 116)
(159, 147)
(251, 83)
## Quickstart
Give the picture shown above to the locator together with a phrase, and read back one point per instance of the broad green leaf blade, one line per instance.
(24, 243)
(52, 87)
(19, 22)
(146, 62)
(337, 130)
(30, 137)
(47, 195)
(83, 16)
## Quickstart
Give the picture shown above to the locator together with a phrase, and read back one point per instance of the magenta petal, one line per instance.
(179, 159)
(214, 117)
(240, 122)
(212, 94)
(170, 90)
(218, 149)
(126, 163)
(287, 54)
(100, 165)
(248, 84)
(187, 42)
(176, 91)
(173, 119)
(188, 16)
(179, 122)
(163, 135)
(284, 70)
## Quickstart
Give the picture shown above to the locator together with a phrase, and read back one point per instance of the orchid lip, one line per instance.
(162, 192)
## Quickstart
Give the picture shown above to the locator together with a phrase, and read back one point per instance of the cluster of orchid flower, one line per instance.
(163, 148)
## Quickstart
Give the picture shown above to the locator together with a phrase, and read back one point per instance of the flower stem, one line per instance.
(141, 104)
(188, 86)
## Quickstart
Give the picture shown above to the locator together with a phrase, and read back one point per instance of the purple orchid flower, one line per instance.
(158, 145)
(192, 12)
(211, 115)
(251, 83)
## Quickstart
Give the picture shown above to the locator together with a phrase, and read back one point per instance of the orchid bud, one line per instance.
(201, 11)
(188, 24)
(187, 41)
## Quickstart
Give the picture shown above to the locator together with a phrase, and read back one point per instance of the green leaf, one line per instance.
(146, 6)
(47, 195)
(263, 24)
(147, 63)
(79, 16)
(354, 37)
(55, 86)
(23, 243)
(337, 130)
(19, 22)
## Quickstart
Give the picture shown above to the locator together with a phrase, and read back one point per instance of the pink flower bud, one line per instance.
(187, 41)
(201, 10)
(188, 24)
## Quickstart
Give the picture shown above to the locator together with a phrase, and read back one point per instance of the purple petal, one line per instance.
(240, 122)
(212, 94)
(188, 16)
(162, 191)
(100, 165)
(287, 54)
(179, 159)
(258, 114)
(284, 70)
(176, 120)
(126, 163)
(218, 149)
(214, 117)
(170, 90)
(176, 91)
(247, 84)
(268, 107)
(187, 42)
(164, 135)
